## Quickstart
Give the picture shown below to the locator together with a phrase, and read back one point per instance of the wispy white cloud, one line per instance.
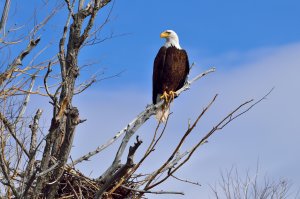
(269, 132)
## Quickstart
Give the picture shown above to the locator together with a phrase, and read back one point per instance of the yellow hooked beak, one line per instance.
(164, 35)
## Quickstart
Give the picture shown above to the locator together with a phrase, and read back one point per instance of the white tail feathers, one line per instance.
(162, 114)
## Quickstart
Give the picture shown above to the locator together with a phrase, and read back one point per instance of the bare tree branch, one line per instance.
(187, 181)
(121, 175)
(154, 175)
(6, 172)
(18, 60)
(4, 16)
(136, 123)
(12, 132)
(229, 118)
(26, 100)
(235, 185)
(153, 192)
(33, 142)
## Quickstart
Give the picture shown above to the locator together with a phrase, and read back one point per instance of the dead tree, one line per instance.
(34, 162)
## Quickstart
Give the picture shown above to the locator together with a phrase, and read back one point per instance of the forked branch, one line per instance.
(134, 125)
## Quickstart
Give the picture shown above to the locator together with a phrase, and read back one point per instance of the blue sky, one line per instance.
(206, 29)
(254, 45)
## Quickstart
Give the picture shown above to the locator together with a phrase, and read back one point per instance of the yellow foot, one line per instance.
(165, 96)
(173, 95)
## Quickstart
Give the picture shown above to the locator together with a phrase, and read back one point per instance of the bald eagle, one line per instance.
(171, 67)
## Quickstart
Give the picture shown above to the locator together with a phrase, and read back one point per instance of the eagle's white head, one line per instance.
(171, 38)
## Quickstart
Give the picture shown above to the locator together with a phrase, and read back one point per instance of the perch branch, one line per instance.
(136, 123)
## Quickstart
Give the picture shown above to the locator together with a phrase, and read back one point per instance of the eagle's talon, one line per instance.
(165, 96)
(173, 95)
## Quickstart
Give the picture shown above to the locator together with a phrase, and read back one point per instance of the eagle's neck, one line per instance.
(172, 42)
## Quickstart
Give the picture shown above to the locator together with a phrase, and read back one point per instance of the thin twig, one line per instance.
(187, 181)
(152, 192)
(49, 70)
(11, 130)
(187, 133)
(224, 122)
(6, 174)
(4, 16)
